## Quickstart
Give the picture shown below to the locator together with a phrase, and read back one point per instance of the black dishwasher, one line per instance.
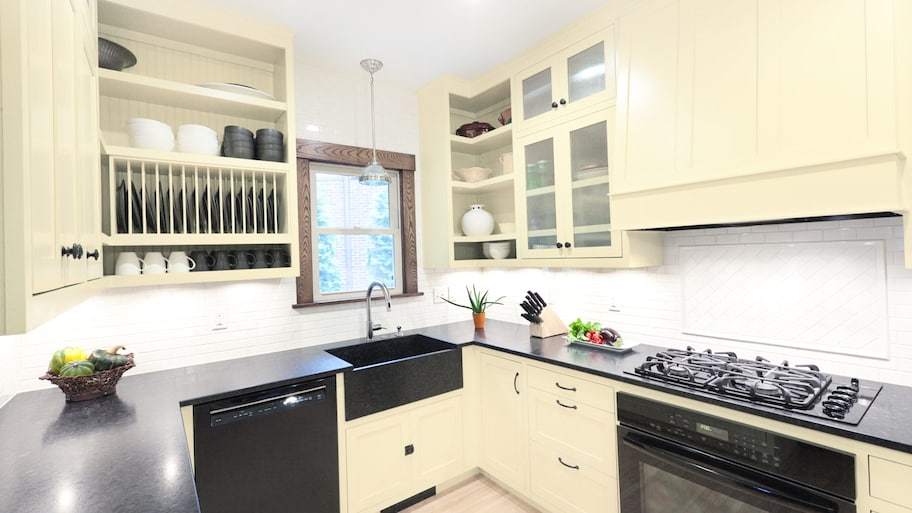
(273, 451)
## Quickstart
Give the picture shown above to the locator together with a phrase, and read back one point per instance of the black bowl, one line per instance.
(234, 129)
(270, 133)
(113, 56)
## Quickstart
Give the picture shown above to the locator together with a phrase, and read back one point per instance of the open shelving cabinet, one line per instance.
(168, 201)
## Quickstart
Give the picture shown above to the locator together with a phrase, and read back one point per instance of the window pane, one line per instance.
(342, 202)
(349, 263)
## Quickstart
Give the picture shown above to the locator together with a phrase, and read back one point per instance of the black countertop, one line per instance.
(128, 453)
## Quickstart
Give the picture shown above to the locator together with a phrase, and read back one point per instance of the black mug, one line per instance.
(262, 259)
(243, 259)
(202, 259)
(223, 261)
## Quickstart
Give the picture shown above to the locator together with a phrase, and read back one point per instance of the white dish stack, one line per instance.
(197, 139)
(150, 134)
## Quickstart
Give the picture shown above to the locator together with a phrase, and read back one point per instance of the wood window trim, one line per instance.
(308, 151)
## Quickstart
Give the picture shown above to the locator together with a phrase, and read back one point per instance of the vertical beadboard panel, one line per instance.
(820, 296)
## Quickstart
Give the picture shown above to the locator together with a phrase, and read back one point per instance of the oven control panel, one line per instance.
(748, 445)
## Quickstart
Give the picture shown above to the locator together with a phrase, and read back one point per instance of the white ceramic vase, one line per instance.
(477, 222)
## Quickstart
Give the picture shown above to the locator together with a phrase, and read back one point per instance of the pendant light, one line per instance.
(373, 173)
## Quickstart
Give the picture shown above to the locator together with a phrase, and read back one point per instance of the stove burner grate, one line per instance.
(798, 388)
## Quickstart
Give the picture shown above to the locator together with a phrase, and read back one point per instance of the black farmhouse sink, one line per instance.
(394, 371)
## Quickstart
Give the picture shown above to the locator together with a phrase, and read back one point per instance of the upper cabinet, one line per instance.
(542, 171)
(755, 110)
(198, 66)
(569, 83)
(51, 244)
(564, 188)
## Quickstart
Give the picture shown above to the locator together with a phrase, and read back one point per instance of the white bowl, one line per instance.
(147, 123)
(198, 146)
(496, 250)
(152, 142)
(474, 174)
(196, 130)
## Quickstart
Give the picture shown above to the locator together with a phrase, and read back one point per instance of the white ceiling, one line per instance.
(417, 40)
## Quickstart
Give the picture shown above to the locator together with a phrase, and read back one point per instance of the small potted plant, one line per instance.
(478, 303)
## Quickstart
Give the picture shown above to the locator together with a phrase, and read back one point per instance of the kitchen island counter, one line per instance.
(128, 453)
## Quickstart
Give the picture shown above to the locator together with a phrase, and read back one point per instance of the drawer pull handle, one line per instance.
(572, 407)
(515, 379)
(558, 385)
(574, 467)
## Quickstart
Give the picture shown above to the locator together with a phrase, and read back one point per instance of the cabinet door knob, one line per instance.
(567, 244)
(553, 105)
(563, 101)
(559, 245)
(409, 449)
(93, 254)
(75, 251)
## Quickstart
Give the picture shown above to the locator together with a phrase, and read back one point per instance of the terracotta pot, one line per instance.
(479, 320)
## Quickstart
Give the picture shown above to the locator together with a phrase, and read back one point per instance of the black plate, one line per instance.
(204, 211)
(216, 219)
(191, 212)
(150, 213)
(270, 213)
(239, 212)
(250, 211)
(226, 216)
(179, 213)
(121, 207)
(261, 212)
(164, 210)
(136, 210)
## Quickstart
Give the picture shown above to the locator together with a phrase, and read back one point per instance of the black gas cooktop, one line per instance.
(799, 388)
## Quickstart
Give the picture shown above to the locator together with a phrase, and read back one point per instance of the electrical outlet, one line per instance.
(440, 292)
(219, 322)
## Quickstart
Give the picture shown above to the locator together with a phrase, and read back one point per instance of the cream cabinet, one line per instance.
(197, 65)
(504, 423)
(889, 482)
(50, 228)
(562, 194)
(548, 189)
(725, 105)
(576, 80)
(392, 457)
(446, 105)
(573, 441)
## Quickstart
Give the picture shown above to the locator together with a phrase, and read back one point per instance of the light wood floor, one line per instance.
(477, 495)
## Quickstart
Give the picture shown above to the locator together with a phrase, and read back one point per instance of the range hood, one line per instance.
(872, 186)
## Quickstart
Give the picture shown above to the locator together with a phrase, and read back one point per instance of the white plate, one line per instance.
(604, 347)
(237, 88)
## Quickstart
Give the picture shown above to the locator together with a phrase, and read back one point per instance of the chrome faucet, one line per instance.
(386, 296)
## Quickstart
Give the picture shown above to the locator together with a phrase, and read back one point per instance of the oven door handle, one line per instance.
(732, 473)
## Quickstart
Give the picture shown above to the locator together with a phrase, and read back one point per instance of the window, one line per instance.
(351, 234)
(356, 233)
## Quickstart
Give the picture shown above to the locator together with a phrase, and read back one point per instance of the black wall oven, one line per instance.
(674, 460)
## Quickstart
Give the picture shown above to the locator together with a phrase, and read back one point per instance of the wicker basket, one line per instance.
(99, 384)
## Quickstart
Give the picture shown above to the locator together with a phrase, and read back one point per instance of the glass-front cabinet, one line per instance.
(563, 194)
(568, 83)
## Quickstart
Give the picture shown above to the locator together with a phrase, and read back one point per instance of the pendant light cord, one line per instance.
(373, 123)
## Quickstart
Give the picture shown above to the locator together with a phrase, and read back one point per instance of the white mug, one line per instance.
(128, 262)
(179, 262)
(506, 162)
(155, 263)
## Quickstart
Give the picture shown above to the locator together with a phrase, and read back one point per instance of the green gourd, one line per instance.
(106, 359)
(77, 368)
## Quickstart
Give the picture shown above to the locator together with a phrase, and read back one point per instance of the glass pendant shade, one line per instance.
(373, 173)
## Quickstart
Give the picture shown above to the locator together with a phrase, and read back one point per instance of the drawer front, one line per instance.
(570, 386)
(574, 428)
(890, 481)
(564, 489)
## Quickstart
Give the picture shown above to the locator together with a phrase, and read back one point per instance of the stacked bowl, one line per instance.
(150, 134)
(237, 142)
(197, 139)
(270, 145)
